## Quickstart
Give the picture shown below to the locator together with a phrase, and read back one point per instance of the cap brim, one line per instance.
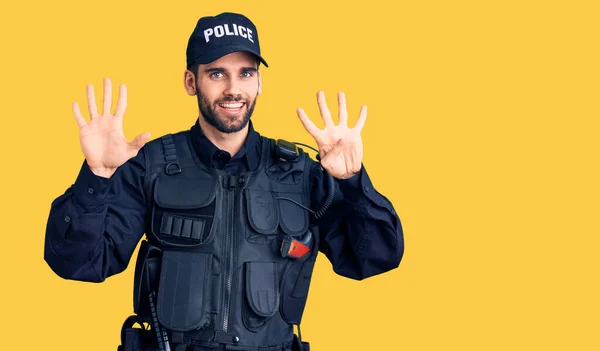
(219, 52)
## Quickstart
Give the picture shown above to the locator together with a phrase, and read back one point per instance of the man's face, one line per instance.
(227, 91)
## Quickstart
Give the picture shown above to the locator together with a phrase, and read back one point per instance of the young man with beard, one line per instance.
(233, 220)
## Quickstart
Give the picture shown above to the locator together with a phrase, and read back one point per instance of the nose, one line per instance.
(233, 87)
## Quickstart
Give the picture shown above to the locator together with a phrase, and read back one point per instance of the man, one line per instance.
(233, 220)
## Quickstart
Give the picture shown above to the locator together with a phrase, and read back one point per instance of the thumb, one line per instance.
(140, 140)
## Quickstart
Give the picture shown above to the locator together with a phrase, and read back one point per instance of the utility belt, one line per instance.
(144, 339)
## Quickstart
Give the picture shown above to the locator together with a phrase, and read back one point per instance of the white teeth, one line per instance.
(232, 106)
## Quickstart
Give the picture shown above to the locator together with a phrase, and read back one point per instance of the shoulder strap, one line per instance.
(170, 151)
(169, 154)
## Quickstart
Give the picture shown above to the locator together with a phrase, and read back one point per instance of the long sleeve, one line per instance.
(94, 227)
(360, 233)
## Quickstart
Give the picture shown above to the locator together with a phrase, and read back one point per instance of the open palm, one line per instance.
(340, 147)
(102, 140)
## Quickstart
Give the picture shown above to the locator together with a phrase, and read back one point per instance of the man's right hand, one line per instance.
(102, 140)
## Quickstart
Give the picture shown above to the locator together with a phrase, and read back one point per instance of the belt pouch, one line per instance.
(184, 288)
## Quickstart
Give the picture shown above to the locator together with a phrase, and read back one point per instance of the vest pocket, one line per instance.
(184, 210)
(184, 290)
(263, 216)
(293, 219)
(296, 284)
(261, 290)
(272, 213)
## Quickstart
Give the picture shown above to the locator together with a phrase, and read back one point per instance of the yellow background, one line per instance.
(482, 130)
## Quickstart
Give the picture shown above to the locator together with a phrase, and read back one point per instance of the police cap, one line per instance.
(220, 35)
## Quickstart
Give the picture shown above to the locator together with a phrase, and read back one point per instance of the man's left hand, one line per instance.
(340, 147)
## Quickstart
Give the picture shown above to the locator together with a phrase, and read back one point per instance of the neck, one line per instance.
(230, 142)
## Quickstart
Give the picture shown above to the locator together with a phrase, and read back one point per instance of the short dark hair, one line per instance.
(194, 69)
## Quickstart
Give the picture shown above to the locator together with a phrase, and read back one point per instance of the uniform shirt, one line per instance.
(94, 227)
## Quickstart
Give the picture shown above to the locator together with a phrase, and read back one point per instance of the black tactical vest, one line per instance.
(212, 259)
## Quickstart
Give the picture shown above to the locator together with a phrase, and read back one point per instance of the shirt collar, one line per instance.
(206, 150)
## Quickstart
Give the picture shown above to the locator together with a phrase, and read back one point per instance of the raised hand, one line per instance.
(340, 147)
(102, 140)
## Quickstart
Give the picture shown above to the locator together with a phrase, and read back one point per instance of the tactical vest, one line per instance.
(211, 270)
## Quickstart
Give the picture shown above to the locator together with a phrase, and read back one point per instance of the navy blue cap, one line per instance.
(215, 37)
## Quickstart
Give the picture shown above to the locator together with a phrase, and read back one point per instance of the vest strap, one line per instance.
(172, 166)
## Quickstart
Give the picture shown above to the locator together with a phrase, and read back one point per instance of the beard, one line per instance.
(209, 112)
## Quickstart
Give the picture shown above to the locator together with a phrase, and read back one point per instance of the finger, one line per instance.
(107, 99)
(331, 159)
(139, 141)
(310, 127)
(78, 116)
(362, 118)
(324, 109)
(92, 108)
(343, 113)
(122, 101)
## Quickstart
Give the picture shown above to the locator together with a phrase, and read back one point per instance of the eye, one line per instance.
(247, 74)
(216, 75)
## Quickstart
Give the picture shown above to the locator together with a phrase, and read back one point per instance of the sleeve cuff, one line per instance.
(89, 188)
(351, 183)
(351, 188)
(359, 189)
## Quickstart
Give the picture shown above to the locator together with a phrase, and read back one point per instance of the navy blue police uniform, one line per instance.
(215, 270)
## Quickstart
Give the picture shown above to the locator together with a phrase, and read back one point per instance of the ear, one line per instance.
(189, 82)
(259, 83)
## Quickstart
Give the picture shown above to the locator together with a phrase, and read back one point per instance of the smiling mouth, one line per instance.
(231, 106)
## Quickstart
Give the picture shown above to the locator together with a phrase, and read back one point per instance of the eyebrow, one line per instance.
(212, 70)
(223, 70)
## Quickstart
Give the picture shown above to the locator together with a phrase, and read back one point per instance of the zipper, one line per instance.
(229, 257)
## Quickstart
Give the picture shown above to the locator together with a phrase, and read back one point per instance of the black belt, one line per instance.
(211, 340)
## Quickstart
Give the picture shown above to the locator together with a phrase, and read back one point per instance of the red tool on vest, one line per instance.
(296, 248)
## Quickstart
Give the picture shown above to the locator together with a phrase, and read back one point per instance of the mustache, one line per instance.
(230, 99)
